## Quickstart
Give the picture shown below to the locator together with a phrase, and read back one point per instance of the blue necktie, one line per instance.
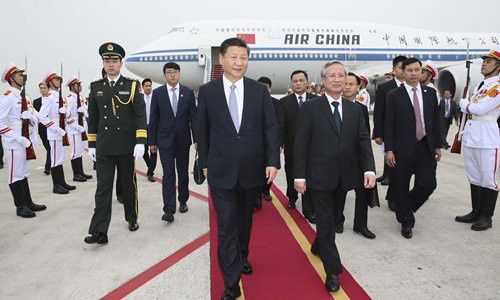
(336, 117)
(233, 108)
(174, 101)
(301, 101)
(447, 102)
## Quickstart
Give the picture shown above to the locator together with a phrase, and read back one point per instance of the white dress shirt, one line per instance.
(239, 91)
(115, 79)
(147, 101)
(398, 82)
(304, 97)
(409, 89)
(447, 108)
(170, 93)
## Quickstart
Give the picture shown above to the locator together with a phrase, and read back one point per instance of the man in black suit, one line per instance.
(149, 159)
(42, 130)
(412, 143)
(379, 116)
(267, 186)
(172, 119)
(238, 143)
(331, 143)
(290, 107)
(447, 112)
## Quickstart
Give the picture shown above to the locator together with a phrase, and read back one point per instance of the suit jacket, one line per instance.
(379, 109)
(288, 115)
(324, 158)
(453, 111)
(164, 128)
(237, 157)
(42, 130)
(400, 125)
(366, 115)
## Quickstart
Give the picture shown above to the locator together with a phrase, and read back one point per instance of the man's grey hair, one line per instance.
(328, 64)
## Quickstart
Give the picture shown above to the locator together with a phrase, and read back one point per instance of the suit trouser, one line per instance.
(46, 145)
(421, 163)
(266, 188)
(446, 129)
(291, 193)
(326, 205)
(150, 159)
(170, 158)
(105, 172)
(234, 209)
(360, 209)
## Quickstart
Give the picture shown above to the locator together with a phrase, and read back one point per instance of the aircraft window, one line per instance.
(337, 30)
(336, 55)
(439, 56)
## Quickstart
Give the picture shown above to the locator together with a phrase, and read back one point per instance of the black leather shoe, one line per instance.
(315, 249)
(57, 189)
(381, 178)
(46, 172)
(407, 232)
(151, 178)
(86, 176)
(386, 181)
(482, 224)
(99, 238)
(311, 218)
(168, 217)
(36, 207)
(258, 203)
(339, 228)
(25, 212)
(231, 294)
(247, 268)
(366, 233)
(471, 217)
(119, 199)
(79, 178)
(68, 187)
(332, 283)
(133, 226)
(291, 204)
(268, 197)
(183, 207)
(391, 205)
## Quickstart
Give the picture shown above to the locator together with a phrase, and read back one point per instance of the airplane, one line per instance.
(277, 48)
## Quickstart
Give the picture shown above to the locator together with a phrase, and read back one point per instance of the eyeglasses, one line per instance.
(335, 76)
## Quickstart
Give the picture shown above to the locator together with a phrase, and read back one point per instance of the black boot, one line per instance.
(76, 171)
(57, 188)
(22, 210)
(80, 167)
(62, 181)
(488, 203)
(27, 196)
(475, 196)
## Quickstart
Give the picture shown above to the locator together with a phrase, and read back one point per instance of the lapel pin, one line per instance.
(121, 83)
(182, 95)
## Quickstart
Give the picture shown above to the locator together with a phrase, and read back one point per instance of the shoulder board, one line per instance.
(7, 93)
(131, 79)
(97, 80)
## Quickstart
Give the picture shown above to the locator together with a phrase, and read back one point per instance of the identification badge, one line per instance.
(100, 93)
(124, 92)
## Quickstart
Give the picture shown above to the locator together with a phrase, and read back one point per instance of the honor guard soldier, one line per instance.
(11, 123)
(481, 139)
(117, 134)
(76, 128)
(428, 75)
(51, 114)
(363, 96)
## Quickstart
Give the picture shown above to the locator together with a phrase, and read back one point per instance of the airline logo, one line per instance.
(247, 37)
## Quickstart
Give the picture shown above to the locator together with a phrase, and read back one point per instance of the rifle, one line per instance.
(62, 117)
(457, 142)
(25, 130)
(80, 115)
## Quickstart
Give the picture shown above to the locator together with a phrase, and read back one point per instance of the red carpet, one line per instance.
(282, 270)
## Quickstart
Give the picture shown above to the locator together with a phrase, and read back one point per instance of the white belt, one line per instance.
(484, 118)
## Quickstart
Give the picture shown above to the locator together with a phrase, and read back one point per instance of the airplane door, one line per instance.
(204, 52)
(273, 30)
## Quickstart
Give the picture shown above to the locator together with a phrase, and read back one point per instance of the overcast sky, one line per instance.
(53, 31)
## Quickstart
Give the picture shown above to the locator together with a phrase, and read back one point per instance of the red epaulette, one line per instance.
(7, 93)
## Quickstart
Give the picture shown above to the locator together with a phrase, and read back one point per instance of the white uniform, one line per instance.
(10, 129)
(438, 96)
(363, 97)
(49, 116)
(481, 136)
(73, 129)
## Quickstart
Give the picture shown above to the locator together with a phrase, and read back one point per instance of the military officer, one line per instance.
(117, 134)
(75, 130)
(481, 140)
(363, 96)
(49, 115)
(11, 117)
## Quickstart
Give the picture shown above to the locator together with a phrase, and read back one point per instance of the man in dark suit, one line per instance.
(149, 159)
(379, 116)
(412, 143)
(447, 112)
(172, 120)
(290, 107)
(238, 144)
(42, 130)
(327, 170)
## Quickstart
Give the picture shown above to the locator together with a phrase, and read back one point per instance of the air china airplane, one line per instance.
(280, 47)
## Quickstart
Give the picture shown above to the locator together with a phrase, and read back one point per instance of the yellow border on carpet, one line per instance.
(306, 246)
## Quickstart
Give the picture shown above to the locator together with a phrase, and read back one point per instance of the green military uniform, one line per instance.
(117, 122)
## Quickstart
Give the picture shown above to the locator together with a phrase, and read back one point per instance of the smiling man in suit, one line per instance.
(331, 143)
(172, 120)
(238, 143)
(413, 142)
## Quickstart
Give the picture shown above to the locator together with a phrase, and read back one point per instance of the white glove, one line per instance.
(21, 140)
(79, 128)
(81, 110)
(26, 115)
(63, 110)
(60, 131)
(92, 154)
(138, 151)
